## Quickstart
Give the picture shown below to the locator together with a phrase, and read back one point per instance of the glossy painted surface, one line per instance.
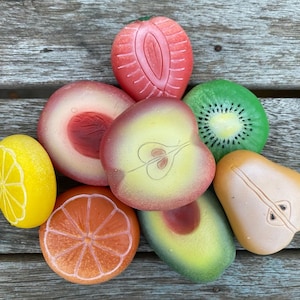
(152, 58)
(72, 124)
(200, 254)
(261, 200)
(153, 156)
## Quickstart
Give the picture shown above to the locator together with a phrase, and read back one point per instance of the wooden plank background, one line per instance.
(51, 42)
(45, 44)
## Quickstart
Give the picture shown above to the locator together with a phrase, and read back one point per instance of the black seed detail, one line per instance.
(282, 207)
(211, 140)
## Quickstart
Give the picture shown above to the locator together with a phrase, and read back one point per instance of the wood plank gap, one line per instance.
(240, 253)
(46, 91)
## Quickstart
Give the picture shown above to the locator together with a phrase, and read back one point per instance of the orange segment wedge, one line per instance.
(90, 237)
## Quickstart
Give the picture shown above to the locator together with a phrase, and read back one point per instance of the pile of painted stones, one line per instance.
(184, 167)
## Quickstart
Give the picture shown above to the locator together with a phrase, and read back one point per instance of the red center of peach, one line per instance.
(183, 220)
(85, 131)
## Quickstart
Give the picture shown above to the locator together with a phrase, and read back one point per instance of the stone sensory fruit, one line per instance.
(91, 237)
(153, 156)
(27, 181)
(72, 123)
(152, 57)
(229, 116)
(195, 240)
(260, 199)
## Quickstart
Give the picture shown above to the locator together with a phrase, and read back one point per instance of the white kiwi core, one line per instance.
(225, 125)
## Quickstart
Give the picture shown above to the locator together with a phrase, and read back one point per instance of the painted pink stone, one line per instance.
(152, 58)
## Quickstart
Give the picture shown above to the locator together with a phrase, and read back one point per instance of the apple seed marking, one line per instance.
(158, 158)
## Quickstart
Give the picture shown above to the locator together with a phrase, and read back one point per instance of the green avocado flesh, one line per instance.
(201, 252)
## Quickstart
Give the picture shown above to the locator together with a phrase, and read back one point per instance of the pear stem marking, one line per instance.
(273, 208)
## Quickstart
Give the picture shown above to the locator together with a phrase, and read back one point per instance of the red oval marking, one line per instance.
(153, 54)
(85, 131)
(183, 220)
(161, 153)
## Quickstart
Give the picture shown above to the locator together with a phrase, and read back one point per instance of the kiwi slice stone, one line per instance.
(230, 117)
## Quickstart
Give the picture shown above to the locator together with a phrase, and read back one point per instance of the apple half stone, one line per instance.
(153, 156)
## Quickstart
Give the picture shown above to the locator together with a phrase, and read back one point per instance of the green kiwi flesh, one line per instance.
(230, 117)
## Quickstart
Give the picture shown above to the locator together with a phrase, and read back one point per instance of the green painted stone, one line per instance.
(195, 240)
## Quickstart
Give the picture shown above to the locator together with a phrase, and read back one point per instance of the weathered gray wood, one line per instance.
(256, 43)
(284, 137)
(252, 277)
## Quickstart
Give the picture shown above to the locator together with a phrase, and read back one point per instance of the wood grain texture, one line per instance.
(45, 44)
(256, 43)
(252, 277)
